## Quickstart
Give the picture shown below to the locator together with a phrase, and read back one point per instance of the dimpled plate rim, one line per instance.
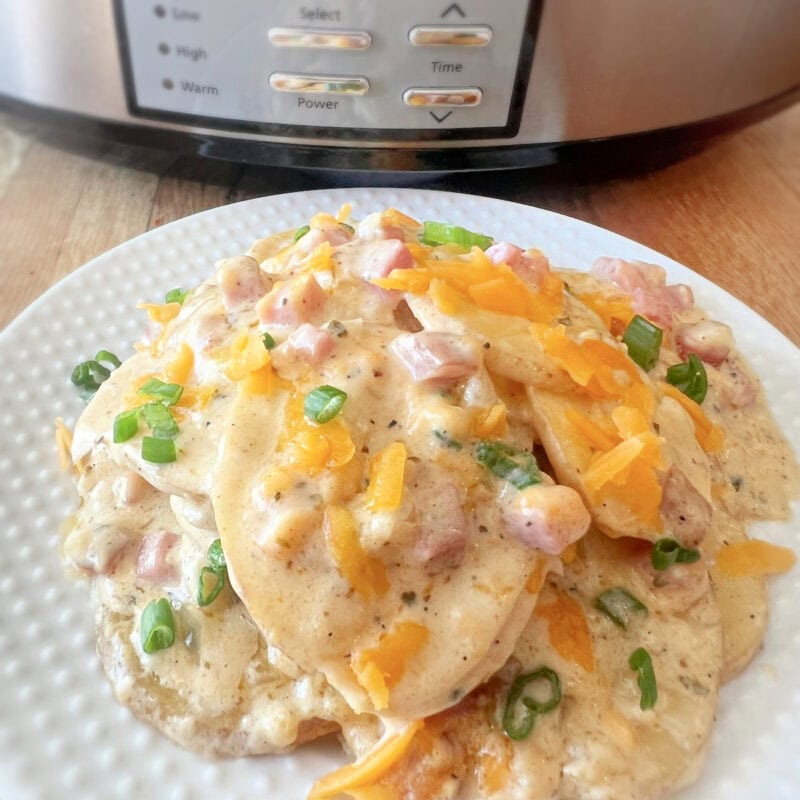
(62, 733)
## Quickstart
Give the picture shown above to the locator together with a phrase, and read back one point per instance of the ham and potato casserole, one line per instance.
(483, 518)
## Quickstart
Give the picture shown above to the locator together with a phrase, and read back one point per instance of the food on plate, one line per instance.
(485, 518)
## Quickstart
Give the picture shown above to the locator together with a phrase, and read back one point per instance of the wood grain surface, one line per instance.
(730, 212)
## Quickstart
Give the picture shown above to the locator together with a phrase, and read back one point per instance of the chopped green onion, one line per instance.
(667, 552)
(324, 403)
(269, 342)
(126, 425)
(158, 451)
(619, 606)
(207, 594)
(88, 375)
(301, 232)
(157, 626)
(107, 356)
(160, 420)
(641, 662)
(690, 378)
(436, 233)
(176, 296)
(168, 393)
(347, 227)
(518, 467)
(215, 555)
(518, 721)
(453, 444)
(644, 342)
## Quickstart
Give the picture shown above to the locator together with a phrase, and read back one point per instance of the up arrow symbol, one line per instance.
(453, 7)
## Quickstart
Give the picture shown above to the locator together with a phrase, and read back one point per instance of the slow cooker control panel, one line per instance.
(332, 69)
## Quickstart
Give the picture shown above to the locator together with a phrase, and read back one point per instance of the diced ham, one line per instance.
(241, 282)
(152, 563)
(310, 344)
(374, 227)
(292, 302)
(103, 549)
(710, 341)
(532, 266)
(436, 357)
(686, 512)
(379, 258)
(131, 488)
(316, 236)
(546, 517)
(442, 533)
(646, 285)
(736, 388)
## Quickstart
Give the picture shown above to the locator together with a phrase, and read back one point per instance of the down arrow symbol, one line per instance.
(442, 118)
(453, 7)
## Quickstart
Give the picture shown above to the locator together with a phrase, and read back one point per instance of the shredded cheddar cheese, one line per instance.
(370, 768)
(568, 630)
(709, 435)
(380, 668)
(364, 572)
(386, 478)
(754, 558)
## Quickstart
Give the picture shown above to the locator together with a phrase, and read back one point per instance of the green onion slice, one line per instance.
(619, 606)
(667, 552)
(126, 425)
(518, 467)
(522, 708)
(106, 356)
(209, 585)
(347, 227)
(176, 296)
(158, 451)
(301, 232)
(690, 378)
(215, 555)
(88, 375)
(324, 403)
(168, 393)
(641, 662)
(436, 233)
(643, 340)
(453, 444)
(160, 420)
(269, 342)
(157, 626)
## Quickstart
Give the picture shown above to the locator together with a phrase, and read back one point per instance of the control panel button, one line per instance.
(450, 35)
(324, 39)
(318, 84)
(431, 96)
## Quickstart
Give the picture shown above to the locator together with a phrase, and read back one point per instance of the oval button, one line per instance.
(433, 97)
(318, 84)
(323, 39)
(450, 35)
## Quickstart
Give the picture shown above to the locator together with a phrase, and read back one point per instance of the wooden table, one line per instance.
(731, 212)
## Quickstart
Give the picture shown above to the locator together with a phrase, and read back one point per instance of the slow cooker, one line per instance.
(412, 85)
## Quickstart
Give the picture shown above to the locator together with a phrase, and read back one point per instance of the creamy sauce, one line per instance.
(362, 601)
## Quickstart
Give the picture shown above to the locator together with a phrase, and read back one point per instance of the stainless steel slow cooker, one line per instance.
(379, 85)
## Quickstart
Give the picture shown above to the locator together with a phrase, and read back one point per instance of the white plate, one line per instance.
(61, 732)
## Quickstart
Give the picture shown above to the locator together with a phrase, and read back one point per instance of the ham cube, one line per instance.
(532, 266)
(310, 344)
(547, 517)
(435, 357)
(241, 282)
(710, 341)
(152, 563)
(442, 534)
(316, 236)
(292, 302)
(646, 285)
